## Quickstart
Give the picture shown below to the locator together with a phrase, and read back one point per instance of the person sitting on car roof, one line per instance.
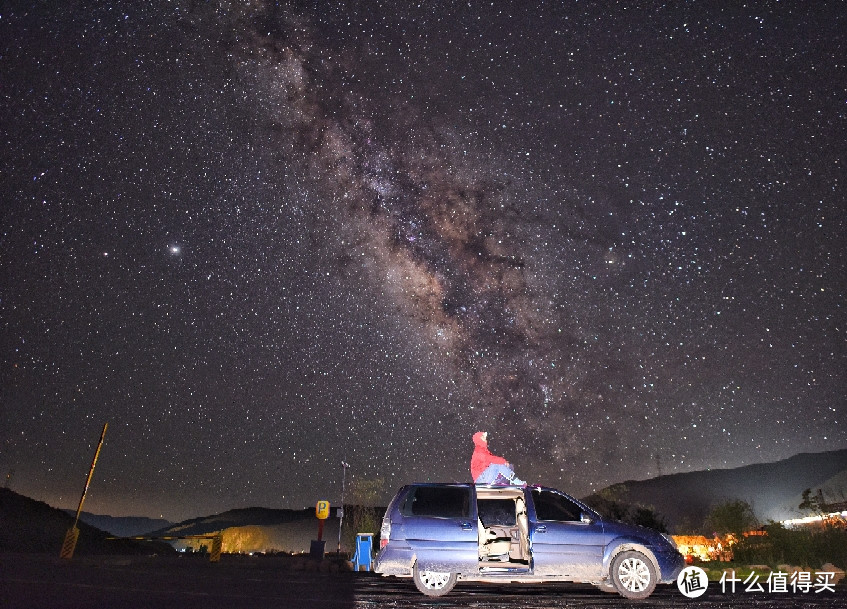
(487, 468)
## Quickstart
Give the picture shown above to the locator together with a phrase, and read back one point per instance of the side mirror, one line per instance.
(585, 518)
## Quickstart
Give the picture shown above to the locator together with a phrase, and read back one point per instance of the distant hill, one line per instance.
(255, 516)
(27, 525)
(773, 489)
(257, 529)
(122, 526)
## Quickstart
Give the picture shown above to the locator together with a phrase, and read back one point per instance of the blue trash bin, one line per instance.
(364, 547)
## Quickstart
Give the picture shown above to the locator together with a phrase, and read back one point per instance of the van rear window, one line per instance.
(438, 501)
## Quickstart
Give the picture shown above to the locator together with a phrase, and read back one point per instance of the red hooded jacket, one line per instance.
(482, 457)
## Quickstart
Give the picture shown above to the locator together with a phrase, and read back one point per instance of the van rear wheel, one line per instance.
(433, 583)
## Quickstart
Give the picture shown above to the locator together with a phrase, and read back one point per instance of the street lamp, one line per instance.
(344, 465)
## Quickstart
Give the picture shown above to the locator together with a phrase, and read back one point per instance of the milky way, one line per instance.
(440, 232)
(260, 239)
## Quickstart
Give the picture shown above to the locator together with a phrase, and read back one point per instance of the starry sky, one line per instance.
(261, 238)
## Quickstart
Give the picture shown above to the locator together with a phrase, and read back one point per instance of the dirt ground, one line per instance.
(37, 580)
(185, 582)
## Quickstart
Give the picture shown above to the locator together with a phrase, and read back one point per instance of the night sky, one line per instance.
(257, 241)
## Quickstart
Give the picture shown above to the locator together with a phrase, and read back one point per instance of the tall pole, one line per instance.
(344, 465)
(73, 534)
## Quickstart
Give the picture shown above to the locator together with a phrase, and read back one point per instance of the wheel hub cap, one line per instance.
(434, 580)
(634, 575)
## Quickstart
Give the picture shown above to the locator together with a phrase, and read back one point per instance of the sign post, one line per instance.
(322, 512)
(69, 545)
(318, 547)
(344, 465)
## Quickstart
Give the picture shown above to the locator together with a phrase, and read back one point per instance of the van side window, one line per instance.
(438, 501)
(552, 506)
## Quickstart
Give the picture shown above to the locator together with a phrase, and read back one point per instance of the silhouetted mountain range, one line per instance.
(122, 526)
(774, 490)
(27, 525)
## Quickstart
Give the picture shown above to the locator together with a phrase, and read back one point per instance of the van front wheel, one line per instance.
(433, 583)
(633, 575)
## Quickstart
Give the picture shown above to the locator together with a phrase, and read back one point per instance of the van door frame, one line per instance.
(571, 549)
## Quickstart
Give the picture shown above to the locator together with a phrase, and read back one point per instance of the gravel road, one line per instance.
(36, 580)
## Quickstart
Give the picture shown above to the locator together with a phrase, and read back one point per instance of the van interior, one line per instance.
(503, 528)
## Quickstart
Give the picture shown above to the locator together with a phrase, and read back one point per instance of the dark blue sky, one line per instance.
(258, 242)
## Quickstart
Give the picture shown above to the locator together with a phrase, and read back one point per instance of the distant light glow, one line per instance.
(830, 517)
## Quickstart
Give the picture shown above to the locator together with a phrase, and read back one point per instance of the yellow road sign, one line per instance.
(69, 545)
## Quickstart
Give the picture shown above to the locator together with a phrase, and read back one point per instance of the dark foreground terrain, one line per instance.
(38, 580)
